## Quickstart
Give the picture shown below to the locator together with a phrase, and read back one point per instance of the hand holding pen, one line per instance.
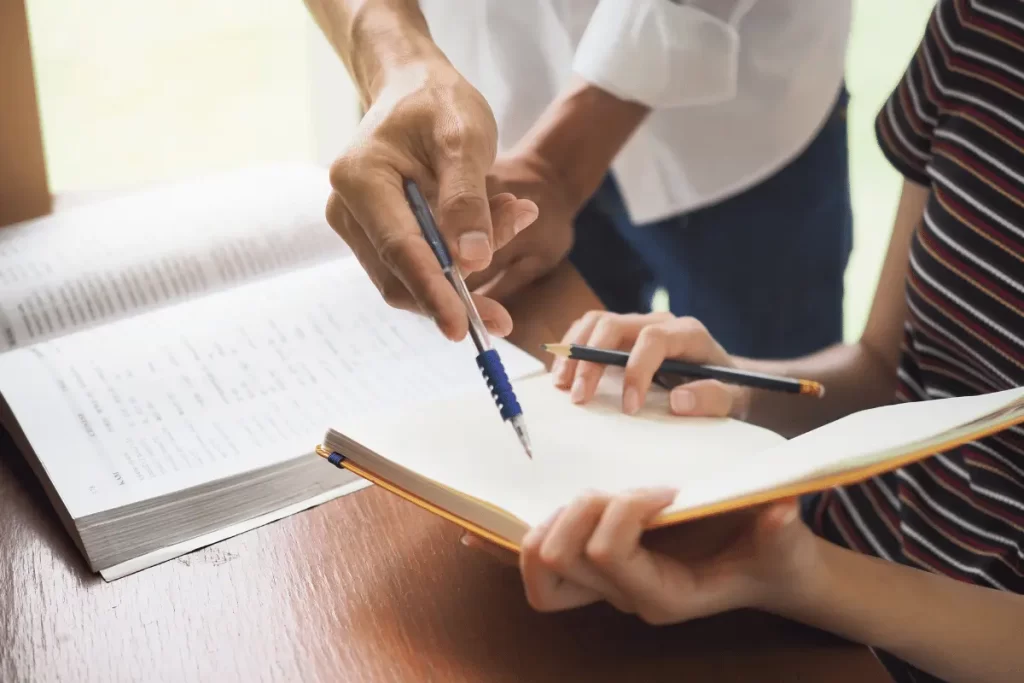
(487, 357)
(408, 132)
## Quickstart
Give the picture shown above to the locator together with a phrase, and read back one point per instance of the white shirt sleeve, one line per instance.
(663, 53)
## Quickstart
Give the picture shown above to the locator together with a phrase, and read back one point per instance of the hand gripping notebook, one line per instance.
(456, 459)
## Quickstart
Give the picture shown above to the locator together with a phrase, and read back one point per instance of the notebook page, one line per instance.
(235, 381)
(576, 448)
(873, 435)
(115, 258)
(858, 440)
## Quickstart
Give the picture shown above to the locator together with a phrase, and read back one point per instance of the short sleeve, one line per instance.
(905, 126)
(663, 53)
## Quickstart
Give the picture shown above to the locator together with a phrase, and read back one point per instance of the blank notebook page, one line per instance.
(463, 444)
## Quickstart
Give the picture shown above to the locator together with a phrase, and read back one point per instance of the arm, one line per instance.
(634, 58)
(372, 36)
(860, 375)
(595, 549)
(856, 376)
(957, 631)
(579, 135)
(426, 123)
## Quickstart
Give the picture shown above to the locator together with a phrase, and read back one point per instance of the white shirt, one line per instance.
(737, 88)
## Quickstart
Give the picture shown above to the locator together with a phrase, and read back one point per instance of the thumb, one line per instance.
(464, 213)
(704, 398)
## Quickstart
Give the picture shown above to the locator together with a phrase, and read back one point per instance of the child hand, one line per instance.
(650, 339)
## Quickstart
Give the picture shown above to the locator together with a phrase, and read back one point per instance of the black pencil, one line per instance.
(675, 367)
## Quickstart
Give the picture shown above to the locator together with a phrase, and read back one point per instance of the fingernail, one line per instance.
(577, 390)
(474, 246)
(465, 540)
(682, 400)
(630, 401)
(523, 221)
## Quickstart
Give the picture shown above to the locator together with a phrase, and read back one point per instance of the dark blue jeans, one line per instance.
(763, 270)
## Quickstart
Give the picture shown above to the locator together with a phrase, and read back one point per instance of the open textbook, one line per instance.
(453, 461)
(169, 359)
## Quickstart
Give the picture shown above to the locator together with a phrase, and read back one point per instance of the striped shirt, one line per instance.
(955, 123)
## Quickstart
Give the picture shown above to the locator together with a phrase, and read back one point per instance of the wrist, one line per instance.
(579, 136)
(383, 42)
(801, 581)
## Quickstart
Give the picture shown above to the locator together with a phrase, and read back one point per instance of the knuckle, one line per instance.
(343, 172)
(336, 212)
(464, 201)
(591, 318)
(451, 140)
(656, 334)
(554, 558)
(692, 327)
(392, 248)
(600, 553)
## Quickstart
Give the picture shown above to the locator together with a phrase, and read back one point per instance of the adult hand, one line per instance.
(650, 339)
(546, 242)
(426, 123)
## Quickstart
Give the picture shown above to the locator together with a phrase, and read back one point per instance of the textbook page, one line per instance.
(242, 379)
(100, 262)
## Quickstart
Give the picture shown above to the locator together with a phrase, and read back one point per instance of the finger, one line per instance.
(503, 555)
(563, 370)
(703, 398)
(389, 286)
(464, 210)
(495, 316)
(614, 549)
(545, 590)
(562, 550)
(611, 332)
(510, 216)
(378, 204)
(670, 338)
(520, 273)
(506, 253)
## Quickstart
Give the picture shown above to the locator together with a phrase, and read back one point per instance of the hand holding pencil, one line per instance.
(647, 346)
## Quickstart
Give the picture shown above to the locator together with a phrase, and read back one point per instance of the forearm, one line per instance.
(855, 378)
(373, 37)
(956, 631)
(579, 135)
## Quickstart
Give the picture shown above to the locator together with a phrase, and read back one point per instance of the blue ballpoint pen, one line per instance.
(487, 357)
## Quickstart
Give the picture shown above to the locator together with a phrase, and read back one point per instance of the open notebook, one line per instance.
(454, 459)
(169, 358)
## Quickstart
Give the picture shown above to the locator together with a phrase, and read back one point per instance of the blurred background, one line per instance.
(132, 93)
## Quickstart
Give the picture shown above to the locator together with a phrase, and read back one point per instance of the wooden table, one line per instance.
(365, 588)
